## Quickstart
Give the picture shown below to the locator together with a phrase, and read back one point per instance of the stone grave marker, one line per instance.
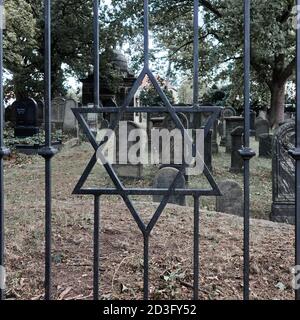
(231, 200)
(237, 162)
(231, 124)
(164, 179)
(261, 126)
(41, 111)
(228, 112)
(283, 174)
(70, 124)
(265, 145)
(57, 112)
(128, 169)
(26, 115)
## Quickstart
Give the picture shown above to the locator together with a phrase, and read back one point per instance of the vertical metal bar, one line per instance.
(196, 246)
(246, 144)
(48, 230)
(247, 41)
(247, 153)
(297, 154)
(146, 33)
(96, 246)
(96, 44)
(47, 76)
(3, 150)
(146, 265)
(196, 54)
(48, 144)
(146, 66)
(47, 152)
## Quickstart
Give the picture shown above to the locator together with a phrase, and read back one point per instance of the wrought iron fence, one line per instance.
(48, 151)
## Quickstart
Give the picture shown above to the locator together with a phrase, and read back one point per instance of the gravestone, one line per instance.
(228, 112)
(237, 162)
(265, 145)
(214, 142)
(123, 166)
(26, 115)
(57, 112)
(261, 126)
(231, 200)
(231, 124)
(252, 122)
(169, 124)
(164, 179)
(70, 124)
(283, 174)
(262, 114)
(41, 112)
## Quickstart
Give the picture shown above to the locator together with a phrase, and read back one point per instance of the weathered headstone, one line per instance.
(214, 142)
(41, 111)
(265, 145)
(58, 111)
(231, 200)
(70, 123)
(261, 126)
(231, 124)
(163, 180)
(26, 115)
(228, 112)
(168, 123)
(237, 162)
(283, 174)
(124, 167)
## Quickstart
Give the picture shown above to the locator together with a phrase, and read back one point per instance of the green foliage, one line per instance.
(71, 43)
(150, 97)
(221, 41)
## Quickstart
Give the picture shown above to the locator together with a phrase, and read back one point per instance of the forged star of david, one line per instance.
(120, 189)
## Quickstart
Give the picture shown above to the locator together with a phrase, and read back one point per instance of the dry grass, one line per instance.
(121, 243)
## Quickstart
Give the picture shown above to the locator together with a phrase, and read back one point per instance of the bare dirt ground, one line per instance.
(171, 244)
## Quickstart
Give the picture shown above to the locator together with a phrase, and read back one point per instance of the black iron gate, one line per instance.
(48, 151)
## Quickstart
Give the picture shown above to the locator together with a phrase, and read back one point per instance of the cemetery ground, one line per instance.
(171, 243)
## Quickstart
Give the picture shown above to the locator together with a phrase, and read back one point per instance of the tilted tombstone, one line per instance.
(261, 126)
(237, 162)
(57, 112)
(231, 200)
(163, 180)
(26, 115)
(283, 174)
(265, 145)
(70, 123)
(231, 124)
(228, 112)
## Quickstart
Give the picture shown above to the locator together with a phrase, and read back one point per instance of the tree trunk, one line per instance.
(277, 103)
